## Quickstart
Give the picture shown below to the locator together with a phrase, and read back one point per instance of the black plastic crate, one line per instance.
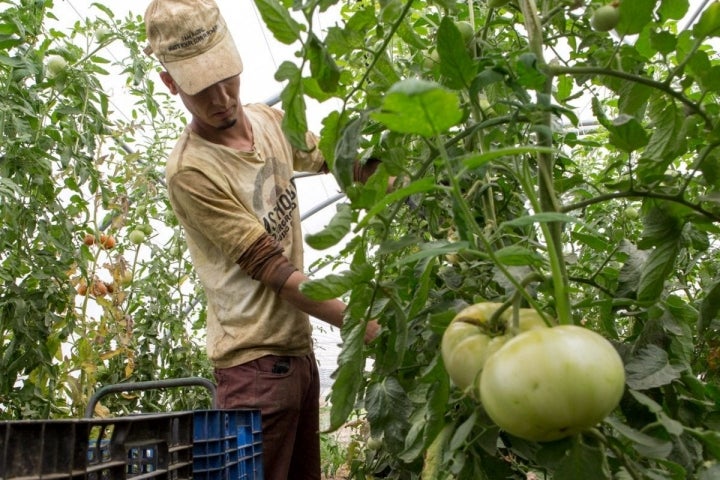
(227, 445)
(154, 446)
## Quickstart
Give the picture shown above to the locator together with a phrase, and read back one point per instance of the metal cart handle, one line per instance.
(149, 385)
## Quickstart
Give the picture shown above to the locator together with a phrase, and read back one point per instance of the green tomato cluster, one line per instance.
(467, 343)
(537, 383)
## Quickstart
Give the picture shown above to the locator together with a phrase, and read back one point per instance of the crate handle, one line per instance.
(150, 385)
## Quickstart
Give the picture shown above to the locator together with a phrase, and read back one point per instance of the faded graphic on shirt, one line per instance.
(275, 197)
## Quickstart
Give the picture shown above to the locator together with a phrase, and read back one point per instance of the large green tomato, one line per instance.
(467, 342)
(547, 384)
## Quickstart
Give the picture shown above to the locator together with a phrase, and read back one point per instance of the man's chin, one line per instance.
(228, 124)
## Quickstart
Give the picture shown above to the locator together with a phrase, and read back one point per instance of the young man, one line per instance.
(229, 180)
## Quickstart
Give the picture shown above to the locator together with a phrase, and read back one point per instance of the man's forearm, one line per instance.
(330, 311)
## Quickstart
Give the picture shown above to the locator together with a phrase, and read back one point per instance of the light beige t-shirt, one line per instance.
(225, 200)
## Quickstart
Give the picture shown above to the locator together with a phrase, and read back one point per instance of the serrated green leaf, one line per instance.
(455, 62)
(591, 461)
(419, 107)
(277, 18)
(334, 231)
(323, 68)
(674, 9)
(650, 368)
(627, 134)
(423, 185)
(477, 160)
(529, 75)
(463, 431)
(346, 151)
(672, 426)
(659, 265)
(634, 16)
(516, 255)
(709, 23)
(329, 287)
(709, 438)
(543, 217)
(294, 121)
(388, 407)
(709, 307)
(645, 444)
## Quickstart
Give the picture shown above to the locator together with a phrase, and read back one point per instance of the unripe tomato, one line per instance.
(605, 18)
(137, 236)
(547, 384)
(55, 65)
(466, 30)
(467, 342)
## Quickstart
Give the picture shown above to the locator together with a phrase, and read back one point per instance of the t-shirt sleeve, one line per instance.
(204, 207)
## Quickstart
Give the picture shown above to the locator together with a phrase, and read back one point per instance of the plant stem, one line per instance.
(578, 71)
(547, 196)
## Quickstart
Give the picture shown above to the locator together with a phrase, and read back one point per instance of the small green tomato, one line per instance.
(55, 65)
(137, 236)
(605, 18)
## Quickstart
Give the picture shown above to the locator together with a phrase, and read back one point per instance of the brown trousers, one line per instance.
(287, 392)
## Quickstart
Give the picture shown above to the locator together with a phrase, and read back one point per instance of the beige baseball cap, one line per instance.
(192, 41)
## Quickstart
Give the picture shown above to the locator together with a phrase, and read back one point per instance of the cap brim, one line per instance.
(197, 73)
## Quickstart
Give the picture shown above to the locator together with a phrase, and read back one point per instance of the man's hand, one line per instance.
(372, 330)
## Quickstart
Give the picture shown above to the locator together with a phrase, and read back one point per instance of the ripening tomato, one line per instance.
(547, 384)
(107, 241)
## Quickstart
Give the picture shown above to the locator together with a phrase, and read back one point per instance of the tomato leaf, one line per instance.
(334, 231)
(479, 159)
(346, 151)
(627, 134)
(294, 121)
(672, 426)
(543, 217)
(645, 444)
(650, 368)
(388, 407)
(675, 9)
(634, 16)
(278, 20)
(709, 23)
(420, 107)
(709, 308)
(455, 62)
(515, 255)
(659, 265)
(426, 184)
(329, 287)
(322, 65)
(592, 461)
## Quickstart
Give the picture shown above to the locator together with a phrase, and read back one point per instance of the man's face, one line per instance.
(215, 107)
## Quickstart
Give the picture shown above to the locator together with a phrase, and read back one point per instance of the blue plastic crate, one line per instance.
(227, 445)
(145, 446)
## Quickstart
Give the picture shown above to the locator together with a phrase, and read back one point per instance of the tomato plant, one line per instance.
(516, 157)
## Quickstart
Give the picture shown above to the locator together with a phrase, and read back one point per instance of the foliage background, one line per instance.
(604, 216)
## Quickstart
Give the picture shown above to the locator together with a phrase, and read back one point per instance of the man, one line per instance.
(229, 180)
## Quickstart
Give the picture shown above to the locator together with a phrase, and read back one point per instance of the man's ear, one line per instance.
(169, 82)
